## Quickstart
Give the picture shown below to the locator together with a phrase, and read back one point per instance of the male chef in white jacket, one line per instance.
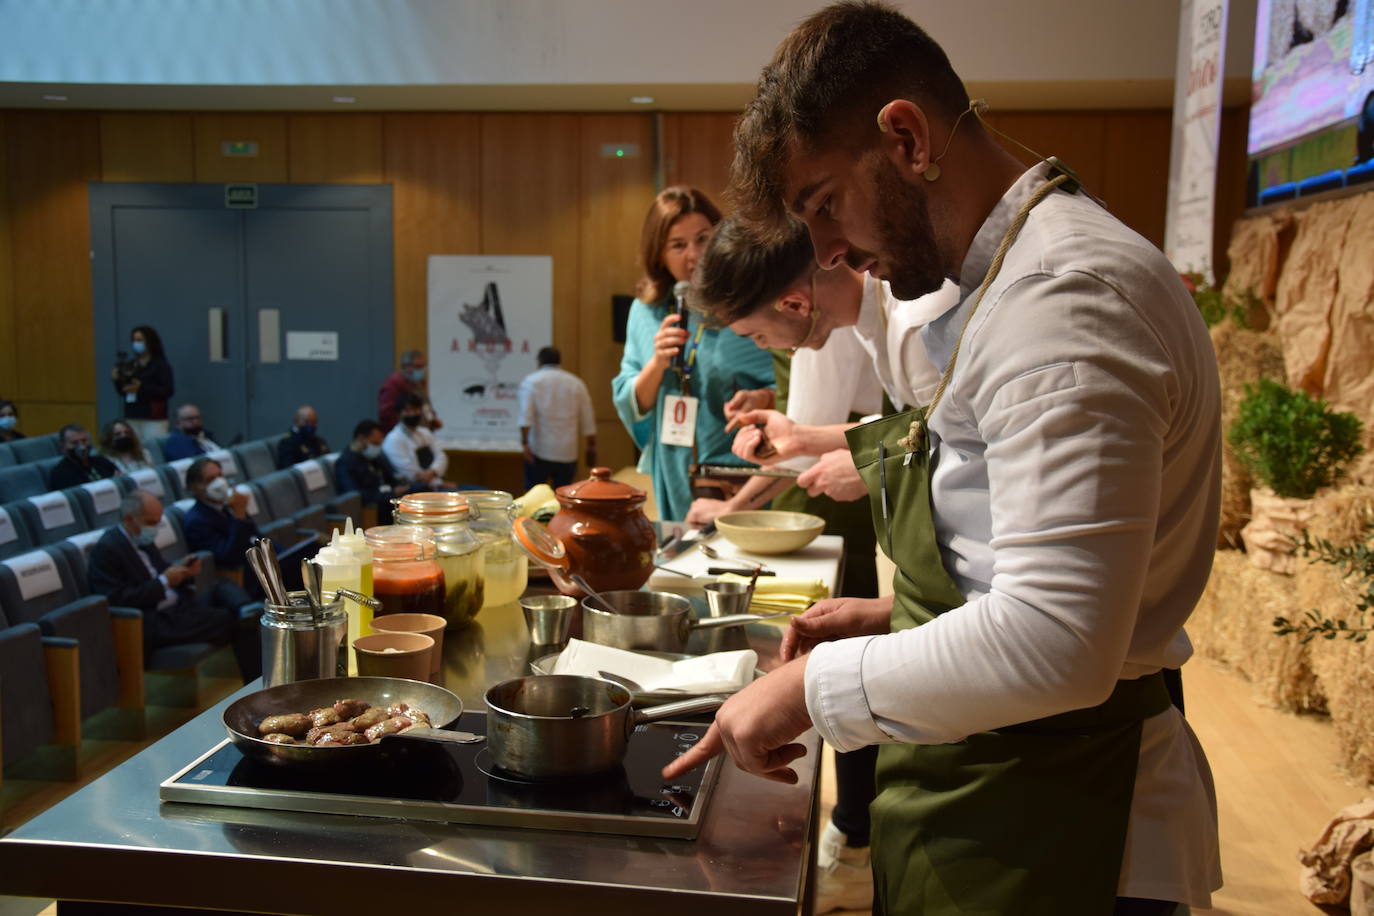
(1053, 511)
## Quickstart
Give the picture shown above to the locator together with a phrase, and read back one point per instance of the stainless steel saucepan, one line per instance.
(560, 726)
(656, 621)
(242, 717)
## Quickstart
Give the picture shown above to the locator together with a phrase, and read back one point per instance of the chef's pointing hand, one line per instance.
(756, 727)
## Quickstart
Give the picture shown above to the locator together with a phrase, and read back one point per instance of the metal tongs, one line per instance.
(262, 559)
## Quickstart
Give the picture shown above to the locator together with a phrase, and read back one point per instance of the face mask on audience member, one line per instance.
(8, 421)
(193, 429)
(372, 452)
(139, 347)
(79, 452)
(123, 443)
(411, 419)
(416, 375)
(147, 536)
(306, 431)
(217, 490)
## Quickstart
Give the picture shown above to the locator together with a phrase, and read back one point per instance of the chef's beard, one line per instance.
(910, 259)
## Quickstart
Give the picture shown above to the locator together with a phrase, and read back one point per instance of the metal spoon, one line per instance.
(714, 554)
(582, 584)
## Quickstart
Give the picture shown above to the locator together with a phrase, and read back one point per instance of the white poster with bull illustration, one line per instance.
(488, 317)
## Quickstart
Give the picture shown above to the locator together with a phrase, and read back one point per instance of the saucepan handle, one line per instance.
(679, 708)
(734, 620)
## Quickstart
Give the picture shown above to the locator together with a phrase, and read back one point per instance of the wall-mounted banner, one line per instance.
(488, 317)
(1197, 123)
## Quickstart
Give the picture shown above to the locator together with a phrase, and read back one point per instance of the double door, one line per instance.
(260, 310)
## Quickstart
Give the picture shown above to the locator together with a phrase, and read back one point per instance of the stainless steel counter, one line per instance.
(114, 841)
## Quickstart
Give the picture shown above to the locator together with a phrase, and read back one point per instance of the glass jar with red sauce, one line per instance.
(458, 550)
(406, 576)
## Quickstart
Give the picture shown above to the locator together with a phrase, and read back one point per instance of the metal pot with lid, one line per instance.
(600, 533)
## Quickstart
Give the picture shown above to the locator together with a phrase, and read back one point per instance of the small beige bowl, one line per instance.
(431, 625)
(404, 655)
(770, 531)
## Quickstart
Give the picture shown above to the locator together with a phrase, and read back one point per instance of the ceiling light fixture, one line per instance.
(642, 99)
(345, 99)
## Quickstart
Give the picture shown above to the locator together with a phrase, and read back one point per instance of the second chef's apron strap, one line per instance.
(1028, 819)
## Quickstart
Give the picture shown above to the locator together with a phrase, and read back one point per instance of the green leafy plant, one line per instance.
(1354, 560)
(1292, 442)
(1214, 306)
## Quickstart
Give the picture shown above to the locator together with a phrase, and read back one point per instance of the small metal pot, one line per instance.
(560, 726)
(656, 621)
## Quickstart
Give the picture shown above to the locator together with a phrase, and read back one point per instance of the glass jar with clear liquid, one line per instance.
(458, 550)
(506, 566)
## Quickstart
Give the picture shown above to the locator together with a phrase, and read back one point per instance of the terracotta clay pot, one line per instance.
(600, 533)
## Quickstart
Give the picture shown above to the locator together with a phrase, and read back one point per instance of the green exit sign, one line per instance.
(239, 148)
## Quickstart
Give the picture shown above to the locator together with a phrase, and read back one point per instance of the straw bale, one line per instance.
(1344, 668)
(1276, 522)
(1307, 289)
(1233, 623)
(1243, 358)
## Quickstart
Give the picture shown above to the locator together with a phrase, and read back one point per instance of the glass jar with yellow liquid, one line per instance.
(458, 551)
(506, 566)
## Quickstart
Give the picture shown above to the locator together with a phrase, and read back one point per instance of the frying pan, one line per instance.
(241, 719)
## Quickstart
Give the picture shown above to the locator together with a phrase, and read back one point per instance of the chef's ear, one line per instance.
(905, 136)
(796, 301)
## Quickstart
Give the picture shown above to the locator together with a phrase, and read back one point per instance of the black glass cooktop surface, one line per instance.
(458, 784)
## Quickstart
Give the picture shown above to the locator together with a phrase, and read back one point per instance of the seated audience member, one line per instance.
(120, 443)
(413, 451)
(407, 380)
(304, 442)
(128, 569)
(9, 419)
(363, 467)
(219, 521)
(189, 439)
(78, 465)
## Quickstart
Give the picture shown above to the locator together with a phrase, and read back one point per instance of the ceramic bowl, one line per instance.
(770, 531)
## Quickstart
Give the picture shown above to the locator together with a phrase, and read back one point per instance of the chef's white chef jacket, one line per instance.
(829, 383)
(1076, 493)
(889, 330)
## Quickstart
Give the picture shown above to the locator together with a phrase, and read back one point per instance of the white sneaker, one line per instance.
(844, 880)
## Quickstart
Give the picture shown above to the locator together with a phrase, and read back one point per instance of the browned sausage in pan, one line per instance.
(293, 724)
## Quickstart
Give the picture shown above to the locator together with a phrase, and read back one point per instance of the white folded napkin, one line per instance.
(718, 672)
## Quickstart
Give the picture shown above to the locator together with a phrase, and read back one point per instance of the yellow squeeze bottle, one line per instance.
(355, 542)
(339, 569)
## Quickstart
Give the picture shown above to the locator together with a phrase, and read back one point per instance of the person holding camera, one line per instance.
(144, 381)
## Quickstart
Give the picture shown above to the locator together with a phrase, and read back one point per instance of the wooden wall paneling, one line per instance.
(146, 147)
(267, 130)
(52, 156)
(698, 150)
(8, 345)
(433, 162)
(1232, 170)
(1135, 181)
(1074, 137)
(334, 149)
(616, 194)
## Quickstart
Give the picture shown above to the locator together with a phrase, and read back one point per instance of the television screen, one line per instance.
(1312, 106)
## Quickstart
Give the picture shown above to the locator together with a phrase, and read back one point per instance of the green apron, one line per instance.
(1027, 819)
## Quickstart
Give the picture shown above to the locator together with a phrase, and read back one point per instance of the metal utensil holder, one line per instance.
(299, 644)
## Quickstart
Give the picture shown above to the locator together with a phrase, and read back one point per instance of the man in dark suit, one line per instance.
(363, 467)
(127, 568)
(303, 442)
(189, 439)
(78, 465)
(219, 521)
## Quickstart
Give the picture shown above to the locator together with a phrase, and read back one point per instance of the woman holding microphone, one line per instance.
(677, 373)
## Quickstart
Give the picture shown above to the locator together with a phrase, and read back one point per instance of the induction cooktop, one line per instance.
(457, 784)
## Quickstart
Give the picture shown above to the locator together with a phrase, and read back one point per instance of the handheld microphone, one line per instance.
(680, 294)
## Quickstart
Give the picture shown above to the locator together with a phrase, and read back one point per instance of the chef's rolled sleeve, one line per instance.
(835, 695)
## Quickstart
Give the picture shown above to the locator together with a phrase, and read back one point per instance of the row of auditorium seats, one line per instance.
(48, 447)
(73, 654)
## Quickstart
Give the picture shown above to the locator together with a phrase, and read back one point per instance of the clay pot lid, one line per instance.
(600, 488)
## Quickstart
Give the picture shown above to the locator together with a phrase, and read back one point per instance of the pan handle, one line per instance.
(437, 736)
(677, 708)
(733, 620)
